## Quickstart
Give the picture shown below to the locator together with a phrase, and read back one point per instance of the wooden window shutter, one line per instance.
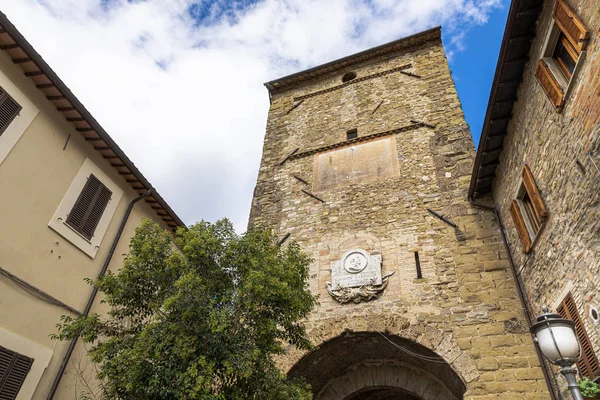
(9, 109)
(588, 365)
(570, 25)
(520, 224)
(550, 84)
(14, 368)
(534, 194)
(89, 207)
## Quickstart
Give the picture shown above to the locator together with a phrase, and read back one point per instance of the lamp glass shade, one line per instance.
(564, 338)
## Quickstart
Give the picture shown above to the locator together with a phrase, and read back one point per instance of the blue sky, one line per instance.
(200, 146)
(473, 70)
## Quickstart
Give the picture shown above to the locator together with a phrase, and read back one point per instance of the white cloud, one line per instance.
(184, 97)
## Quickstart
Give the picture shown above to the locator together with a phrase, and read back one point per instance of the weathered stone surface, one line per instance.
(566, 253)
(459, 307)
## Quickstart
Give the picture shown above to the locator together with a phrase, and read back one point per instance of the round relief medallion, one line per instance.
(355, 261)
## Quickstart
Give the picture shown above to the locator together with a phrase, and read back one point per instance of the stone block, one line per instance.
(459, 307)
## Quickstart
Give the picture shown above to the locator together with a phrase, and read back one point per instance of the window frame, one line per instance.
(39, 353)
(15, 130)
(5, 97)
(528, 210)
(556, 70)
(532, 220)
(59, 224)
(571, 52)
(80, 226)
(14, 358)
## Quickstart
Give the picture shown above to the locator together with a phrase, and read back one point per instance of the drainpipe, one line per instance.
(88, 307)
(521, 291)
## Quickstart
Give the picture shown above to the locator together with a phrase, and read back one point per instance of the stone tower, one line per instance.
(366, 164)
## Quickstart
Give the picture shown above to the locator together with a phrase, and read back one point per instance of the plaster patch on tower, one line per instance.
(356, 163)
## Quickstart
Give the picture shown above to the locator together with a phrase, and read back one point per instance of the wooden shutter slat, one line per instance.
(14, 368)
(549, 84)
(96, 211)
(89, 207)
(588, 365)
(570, 24)
(520, 224)
(534, 194)
(9, 109)
(78, 213)
(5, 361)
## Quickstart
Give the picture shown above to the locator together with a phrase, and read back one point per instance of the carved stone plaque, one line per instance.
(357, 277)
(356, 268)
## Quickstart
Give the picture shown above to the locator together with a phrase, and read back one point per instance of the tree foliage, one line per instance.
(202, 320)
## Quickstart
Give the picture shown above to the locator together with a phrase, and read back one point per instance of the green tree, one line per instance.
(202, 320)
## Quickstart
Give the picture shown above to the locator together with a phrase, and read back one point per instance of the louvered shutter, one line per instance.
(570, 25)
(89, 207)
(588, 365)
(9, 109)
(520, 224)
(550, 84)
(14, 368)
(534, 194)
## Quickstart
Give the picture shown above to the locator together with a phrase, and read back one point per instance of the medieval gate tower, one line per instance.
(366, 164)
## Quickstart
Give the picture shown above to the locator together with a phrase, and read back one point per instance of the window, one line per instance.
(528, 210)
(588, 366)
(9, 109)
(84, 213)
(565, 56)
(14, 368)
(89, 207)
(563, 51)
(352, 134)
(532, 216)
(348, 76)
(16, 114)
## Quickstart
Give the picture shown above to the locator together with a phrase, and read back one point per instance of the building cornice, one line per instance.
(289, 81)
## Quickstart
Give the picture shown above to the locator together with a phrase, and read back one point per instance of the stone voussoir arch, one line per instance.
(412, 381)
(441, 342)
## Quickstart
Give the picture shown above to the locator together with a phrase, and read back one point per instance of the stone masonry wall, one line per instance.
(467, 290)
(566, 255)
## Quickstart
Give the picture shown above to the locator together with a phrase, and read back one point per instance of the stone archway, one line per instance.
(382, 393)
(354, 360)
(437, 340)
(377, 366)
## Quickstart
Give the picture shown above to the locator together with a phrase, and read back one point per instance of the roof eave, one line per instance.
(19, 39)
(530, 9)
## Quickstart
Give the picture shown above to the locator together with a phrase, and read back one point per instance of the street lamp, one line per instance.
(558, 342)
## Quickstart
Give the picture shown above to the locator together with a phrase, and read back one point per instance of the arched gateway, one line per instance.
(377, 366)
(381, 356)
(366, 165)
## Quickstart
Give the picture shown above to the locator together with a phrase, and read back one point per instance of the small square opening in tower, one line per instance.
(352, 134)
